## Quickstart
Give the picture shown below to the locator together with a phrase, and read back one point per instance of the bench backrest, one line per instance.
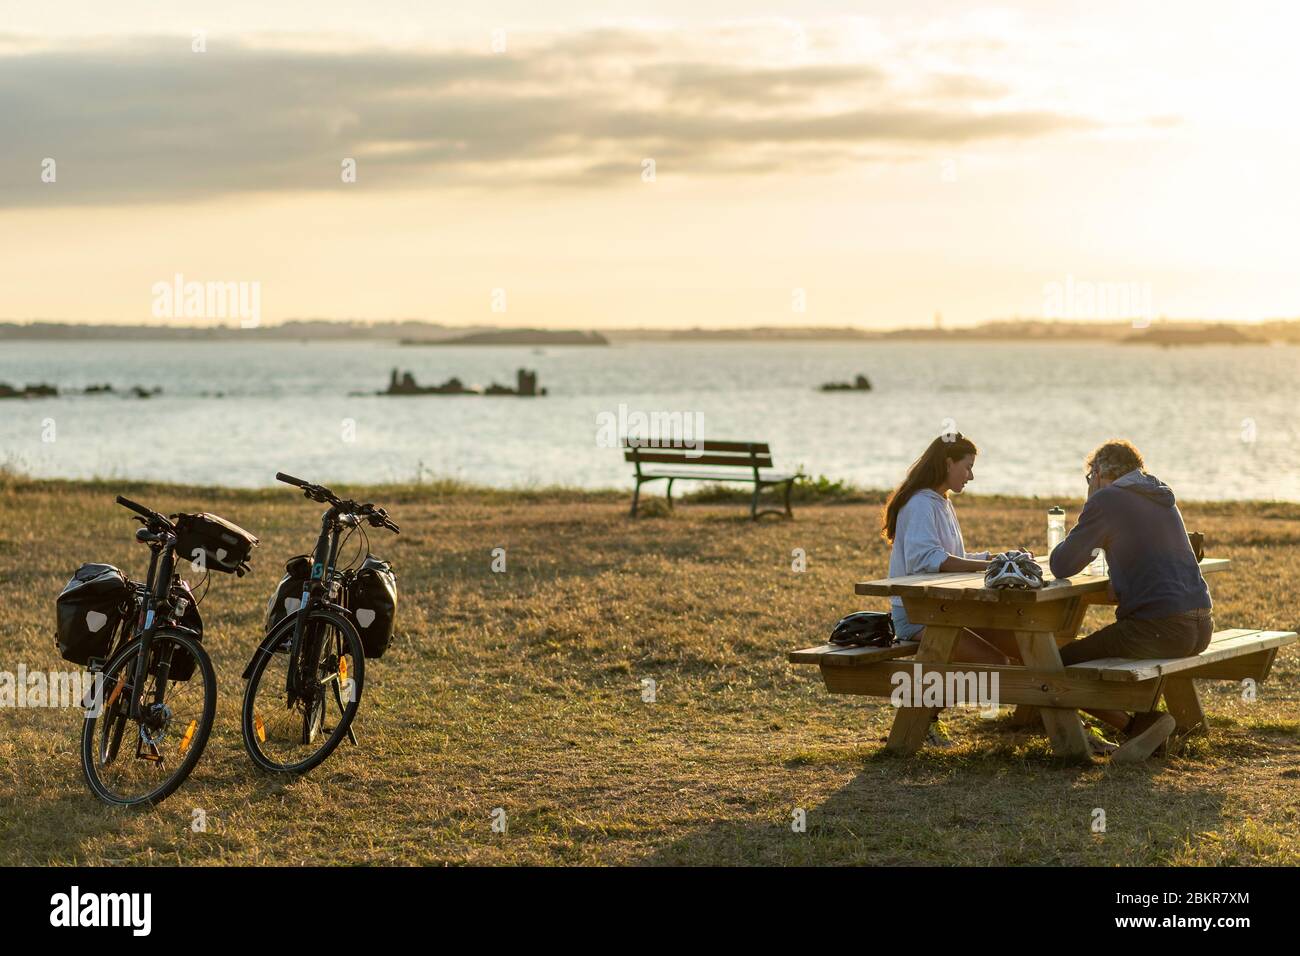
(737, 454)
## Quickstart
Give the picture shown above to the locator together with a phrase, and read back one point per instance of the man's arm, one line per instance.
(1074, 553)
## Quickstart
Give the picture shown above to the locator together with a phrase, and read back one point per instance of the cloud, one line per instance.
(147, 120)
(714, 85)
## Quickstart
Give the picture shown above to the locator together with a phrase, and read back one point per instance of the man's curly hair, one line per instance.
(1115, 458)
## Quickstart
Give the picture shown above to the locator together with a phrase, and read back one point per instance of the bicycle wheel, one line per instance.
(129, 762)
(294, 739)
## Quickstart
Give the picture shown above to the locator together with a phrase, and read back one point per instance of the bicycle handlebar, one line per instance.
(134, 506)
(376, 516)
(314, 492)
(151, 516)
(379, 518)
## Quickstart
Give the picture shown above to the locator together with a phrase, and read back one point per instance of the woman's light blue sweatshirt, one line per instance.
(926, 534)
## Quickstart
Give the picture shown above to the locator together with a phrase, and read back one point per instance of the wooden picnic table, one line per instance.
(1043, 620)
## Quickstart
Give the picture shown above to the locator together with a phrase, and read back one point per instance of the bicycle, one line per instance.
(314, 656)
(155, 678)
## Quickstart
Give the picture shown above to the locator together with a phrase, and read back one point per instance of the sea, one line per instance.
(1215, 422)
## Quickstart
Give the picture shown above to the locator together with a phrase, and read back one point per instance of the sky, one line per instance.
(597, 165)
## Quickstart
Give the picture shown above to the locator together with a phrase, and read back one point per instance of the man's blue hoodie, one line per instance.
(1152, 567)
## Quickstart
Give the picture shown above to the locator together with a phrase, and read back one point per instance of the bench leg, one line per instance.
(911, 724)
(1025, 715)
(1184, 703)
(755, 512)
(670, 493)
(636, 496)
(1072, 625)
(1039, 651)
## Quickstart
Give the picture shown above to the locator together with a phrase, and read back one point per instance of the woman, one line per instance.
(920, 523)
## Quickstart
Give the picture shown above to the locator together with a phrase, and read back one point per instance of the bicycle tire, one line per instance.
(198, 741)
(249, 713)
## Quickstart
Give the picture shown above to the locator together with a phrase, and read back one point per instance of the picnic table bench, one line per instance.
(1043, 621)
(688, 464)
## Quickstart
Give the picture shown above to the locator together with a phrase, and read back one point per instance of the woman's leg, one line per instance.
(1003, 640)
(972, 648)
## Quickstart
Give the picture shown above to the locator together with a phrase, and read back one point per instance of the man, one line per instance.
(1164, 606)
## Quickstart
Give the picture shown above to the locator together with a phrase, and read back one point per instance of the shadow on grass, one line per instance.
(55, 830)
(1000, 798)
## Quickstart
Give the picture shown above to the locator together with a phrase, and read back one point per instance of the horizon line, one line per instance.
(233, 325)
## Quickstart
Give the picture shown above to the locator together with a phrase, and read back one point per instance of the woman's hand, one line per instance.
(954, 563)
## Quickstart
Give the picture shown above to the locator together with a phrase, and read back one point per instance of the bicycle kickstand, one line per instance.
(338, 696)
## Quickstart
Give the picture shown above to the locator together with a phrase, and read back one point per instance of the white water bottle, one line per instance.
(1055, 528)
(1098, 567)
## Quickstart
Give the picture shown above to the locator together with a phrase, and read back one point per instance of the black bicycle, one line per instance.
(305, 679)
(154, 700)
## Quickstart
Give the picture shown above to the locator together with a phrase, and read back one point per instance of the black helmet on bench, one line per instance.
(864, 628)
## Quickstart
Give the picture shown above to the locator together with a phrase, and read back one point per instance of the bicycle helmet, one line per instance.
(1013, 569)
(864, 629)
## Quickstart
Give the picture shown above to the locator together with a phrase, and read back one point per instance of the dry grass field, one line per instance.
(523, 690)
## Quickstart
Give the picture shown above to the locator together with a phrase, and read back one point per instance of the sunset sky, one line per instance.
(892, 162)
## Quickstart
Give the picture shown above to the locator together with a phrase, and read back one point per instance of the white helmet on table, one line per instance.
(1013, 569)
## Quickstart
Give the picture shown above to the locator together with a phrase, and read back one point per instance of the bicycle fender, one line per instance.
(273, 637)
(283, 629)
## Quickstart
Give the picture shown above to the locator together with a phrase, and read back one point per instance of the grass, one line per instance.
(523, 691)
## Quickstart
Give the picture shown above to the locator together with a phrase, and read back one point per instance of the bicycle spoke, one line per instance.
(285, 717)
(161, 740)
(164, 722)
(294, 737)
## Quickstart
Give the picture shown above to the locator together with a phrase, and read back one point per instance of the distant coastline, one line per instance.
(1226, 335)
(419, 333)
(518, 337)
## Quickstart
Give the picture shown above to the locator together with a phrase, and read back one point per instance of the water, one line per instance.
(1215, 422)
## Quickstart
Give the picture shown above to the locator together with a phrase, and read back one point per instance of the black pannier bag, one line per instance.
(223, 546)
(183, 662)
(90, 607)
(373, 600)
(288, 595)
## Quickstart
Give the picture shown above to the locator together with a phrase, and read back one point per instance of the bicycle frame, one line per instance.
(315, 593)
(152, 609)
(304, 646)
(157, 592)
